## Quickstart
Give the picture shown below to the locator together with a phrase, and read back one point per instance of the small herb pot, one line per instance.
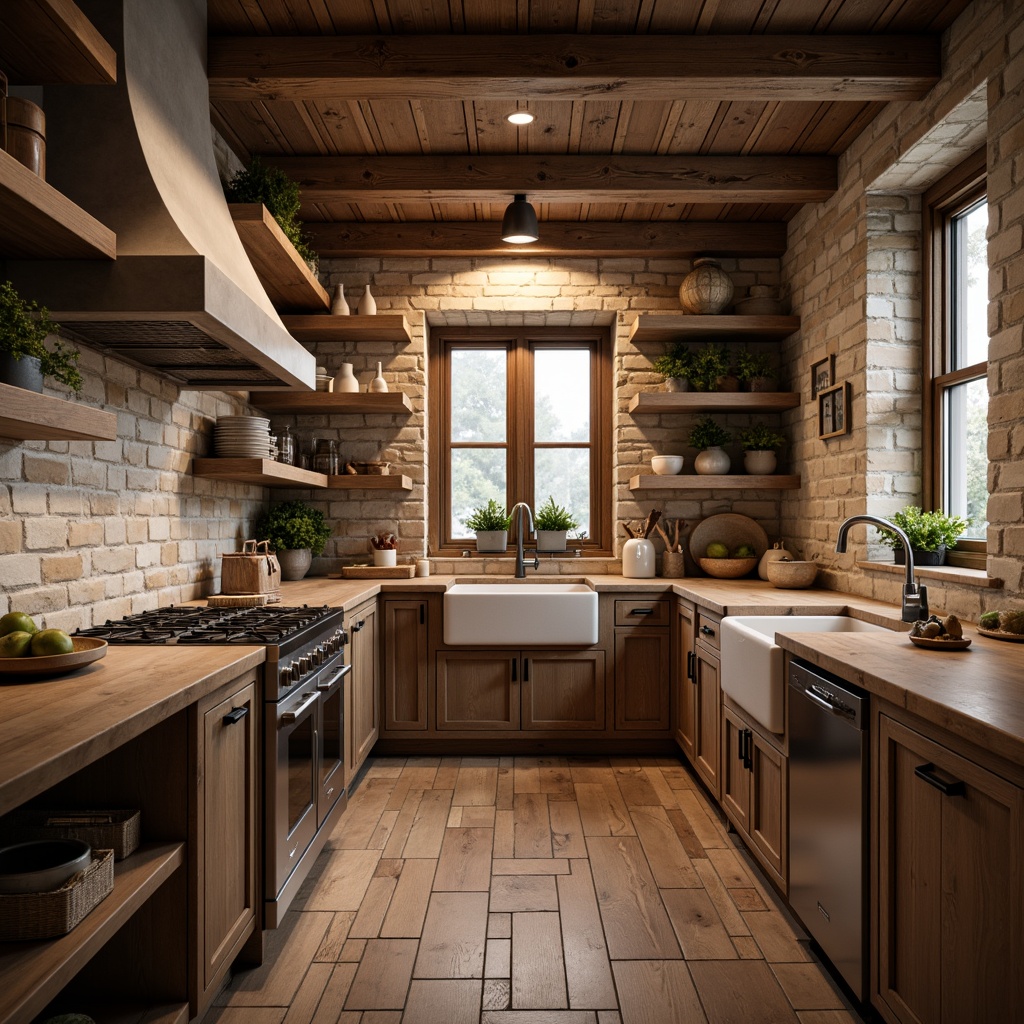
(551, 540)
(385, 556)
(491, 542)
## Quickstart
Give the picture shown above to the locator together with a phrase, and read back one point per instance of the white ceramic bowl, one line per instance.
(667, 465)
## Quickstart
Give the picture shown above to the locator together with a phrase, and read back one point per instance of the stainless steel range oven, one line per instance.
(304, 721)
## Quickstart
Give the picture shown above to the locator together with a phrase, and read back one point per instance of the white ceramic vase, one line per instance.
(367, 303)
(760, 463)
(345, 380)
(706, 289)
(339, 304)
(712, 462)
(378, 386)
(638, 559)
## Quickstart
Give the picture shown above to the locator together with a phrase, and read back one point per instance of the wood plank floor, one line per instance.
(532, 891)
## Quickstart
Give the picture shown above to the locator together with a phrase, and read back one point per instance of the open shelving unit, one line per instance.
(267, 473)
(709, 482)
(384, 327)
(370, 482)
(331, 403)
(713, 401)
(676, 326)
(28, 416)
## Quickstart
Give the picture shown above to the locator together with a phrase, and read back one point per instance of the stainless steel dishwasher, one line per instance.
(828, 797)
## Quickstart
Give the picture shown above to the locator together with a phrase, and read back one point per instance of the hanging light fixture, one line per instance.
(519, 225)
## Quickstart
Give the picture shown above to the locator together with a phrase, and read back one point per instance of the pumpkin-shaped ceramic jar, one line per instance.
(706, 289)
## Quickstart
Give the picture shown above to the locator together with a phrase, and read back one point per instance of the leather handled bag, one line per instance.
(253, 570)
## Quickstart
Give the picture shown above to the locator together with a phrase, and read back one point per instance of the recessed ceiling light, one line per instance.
(520, 117)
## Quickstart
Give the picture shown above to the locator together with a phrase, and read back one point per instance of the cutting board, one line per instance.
(242, 600)
(378, 572)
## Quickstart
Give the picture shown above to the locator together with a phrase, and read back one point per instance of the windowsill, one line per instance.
(944, 573)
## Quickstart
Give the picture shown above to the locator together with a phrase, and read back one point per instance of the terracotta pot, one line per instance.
(760, 463)
(727, 383)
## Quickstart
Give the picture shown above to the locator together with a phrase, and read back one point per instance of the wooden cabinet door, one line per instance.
(949, 884)
(708, 718)
(477, 690)
(684, 680)
(404, 654)
(766, 823)
(364, 712)
(227, 831)
(642, 667)
(563, 690)
(735, 770)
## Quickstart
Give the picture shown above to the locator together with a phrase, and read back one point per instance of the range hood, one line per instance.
(182, 296)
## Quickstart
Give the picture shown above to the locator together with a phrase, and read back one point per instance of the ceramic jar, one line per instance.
(295, 562)
(367, 304)
(378, 386)
(385, 556)
(345, 380)
(638, 559)
(339, 304)
(706, 289)
(773, 554)
(760, 463)
(712, 462)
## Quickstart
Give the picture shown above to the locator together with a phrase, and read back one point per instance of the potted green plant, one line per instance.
(24, 358)
(490, 523)
(707, 437)
(929, 533)
(297, 532)
(270, 186)
(674, 366)
(756, 370)
(552, 523)
(760, 443)
(708, 366)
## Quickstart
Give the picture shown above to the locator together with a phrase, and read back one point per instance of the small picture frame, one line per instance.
(834, 410)
(822, 375)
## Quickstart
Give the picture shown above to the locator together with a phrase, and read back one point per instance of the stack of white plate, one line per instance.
(243, 437)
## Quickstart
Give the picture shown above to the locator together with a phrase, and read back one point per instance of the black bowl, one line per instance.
(41, 865)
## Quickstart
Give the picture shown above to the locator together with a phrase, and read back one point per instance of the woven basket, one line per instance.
(119, 832)
(43, 915)
(253, 570)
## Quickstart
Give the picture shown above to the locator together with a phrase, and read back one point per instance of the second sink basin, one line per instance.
(752, 673)
(520, 614)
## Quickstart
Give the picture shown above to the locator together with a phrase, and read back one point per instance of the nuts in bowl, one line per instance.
(935, 632)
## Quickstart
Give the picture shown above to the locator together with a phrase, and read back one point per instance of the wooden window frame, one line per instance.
(520, 342)
(958, 190)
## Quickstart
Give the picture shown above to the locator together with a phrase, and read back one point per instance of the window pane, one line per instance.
(966, 454)
(561, 388)
(564, 473)
(479, 391)
(970, 287)
(477, 475)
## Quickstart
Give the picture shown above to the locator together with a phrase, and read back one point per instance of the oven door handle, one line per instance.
(291, 716)
(340, 674)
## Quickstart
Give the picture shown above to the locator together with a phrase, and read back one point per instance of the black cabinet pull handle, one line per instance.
(689, 666)
(707, 630)
(742, 752)
(514, 663)
(924, 772)
(641, 611)
(748, 754)
(526, 670)
(423, 614)
(359, 625)
(235, 715)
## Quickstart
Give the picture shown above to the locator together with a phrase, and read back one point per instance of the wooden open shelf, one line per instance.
(265, 472)
(31, 973)
(713, 401)
(673, 326)
(368, 482)
(330, 402)
(708, 482)
(38, 222)
(27, 416)
(389, 327)
(46, 42)
(282, 271)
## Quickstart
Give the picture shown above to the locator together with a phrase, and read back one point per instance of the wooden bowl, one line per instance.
(730, 529)
(788, 575)
(87, 649)
(727, 568)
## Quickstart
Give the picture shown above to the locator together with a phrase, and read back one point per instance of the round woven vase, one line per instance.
(706, 289)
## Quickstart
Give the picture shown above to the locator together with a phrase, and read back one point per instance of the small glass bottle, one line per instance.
(286, 446)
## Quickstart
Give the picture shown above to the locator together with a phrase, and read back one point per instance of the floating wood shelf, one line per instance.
(31, 973)
(38, 222)
(45, 42)
(283, 273)
(27, 416)
(713, 401)
(368, 482)
(673, 326)
(698, 482)
(392, 327)
(265, 472)
(331, 402)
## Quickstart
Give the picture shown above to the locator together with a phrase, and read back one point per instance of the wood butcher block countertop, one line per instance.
(52, 728)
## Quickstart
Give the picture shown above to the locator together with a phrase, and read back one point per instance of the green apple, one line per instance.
(716, 549)
(743, 551)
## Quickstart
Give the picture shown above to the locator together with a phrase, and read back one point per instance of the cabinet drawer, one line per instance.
(642, 612)
(708, 630)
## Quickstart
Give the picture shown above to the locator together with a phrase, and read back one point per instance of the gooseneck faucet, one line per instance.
(915, 596)
(521, 507)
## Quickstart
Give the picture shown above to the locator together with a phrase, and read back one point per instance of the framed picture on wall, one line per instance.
(834, 410)
(822, 375)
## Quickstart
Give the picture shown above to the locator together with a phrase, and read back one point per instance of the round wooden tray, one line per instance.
(732, 530)
(998, 634)
(87, 649)
(940, 645)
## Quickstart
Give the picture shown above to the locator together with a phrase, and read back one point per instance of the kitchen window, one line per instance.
(520, 415)
(956, 353)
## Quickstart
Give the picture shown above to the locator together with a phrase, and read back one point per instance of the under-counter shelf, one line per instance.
(713, 401)
(673, 326)
(38, 222)
(268, 473)
(386, 327)
(32, 973)
(44, 42)
(29, 416)
(331, 402)
(716, 482)
(287, 279)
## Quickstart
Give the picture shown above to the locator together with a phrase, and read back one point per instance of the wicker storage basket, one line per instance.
(44, 915)
(102, 830)
(253, 570)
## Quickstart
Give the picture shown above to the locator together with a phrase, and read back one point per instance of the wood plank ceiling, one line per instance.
(664, 126)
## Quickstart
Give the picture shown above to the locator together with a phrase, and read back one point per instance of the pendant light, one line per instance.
(519, 225)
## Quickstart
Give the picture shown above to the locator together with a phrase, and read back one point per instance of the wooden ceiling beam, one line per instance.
(815, 68)
(683, 239)
(568, 179)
